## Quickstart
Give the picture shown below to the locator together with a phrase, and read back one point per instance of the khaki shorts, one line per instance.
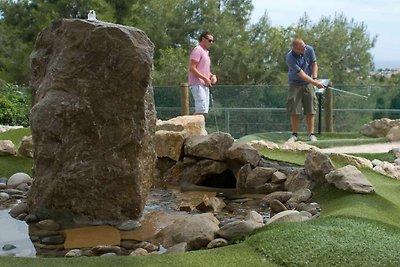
(301, 97)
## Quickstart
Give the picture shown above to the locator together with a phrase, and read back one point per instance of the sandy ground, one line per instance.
(369, 148)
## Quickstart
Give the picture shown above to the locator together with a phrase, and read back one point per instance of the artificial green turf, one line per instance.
(329, 241)
(389, 157)
(236, 255)
(353, 230)
(383, 205)
(327, 143)
(297, 157)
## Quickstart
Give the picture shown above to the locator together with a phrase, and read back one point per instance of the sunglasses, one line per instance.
(209, 40)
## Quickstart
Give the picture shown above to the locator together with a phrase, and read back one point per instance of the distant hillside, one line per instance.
(383, 64)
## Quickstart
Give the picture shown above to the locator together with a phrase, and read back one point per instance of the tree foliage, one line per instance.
(244, 52)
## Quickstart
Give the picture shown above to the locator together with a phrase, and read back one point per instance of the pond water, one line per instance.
(162, 208)
(15, 232)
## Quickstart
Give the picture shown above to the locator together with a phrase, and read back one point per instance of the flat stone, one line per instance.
(91, 236)
(52, 240)
(49, 225)
(286, 216)
(8, 247)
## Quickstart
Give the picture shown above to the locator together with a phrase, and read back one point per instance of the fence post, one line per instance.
(184, 99)
(227, 126)
(329, 110)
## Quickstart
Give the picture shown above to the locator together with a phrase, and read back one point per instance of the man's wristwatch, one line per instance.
(315, 78)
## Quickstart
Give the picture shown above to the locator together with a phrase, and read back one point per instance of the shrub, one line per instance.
(15, 105)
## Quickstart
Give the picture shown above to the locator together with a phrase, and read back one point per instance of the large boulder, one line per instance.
(169, 144)
(189, 124)
(317, 165)
(298, 179)
(350, 179)
(171, 134)
(26, 147)
(212, 146)
(240, 154)
(196, 230)
(92, 120)
(257, 178)
(393, 134)
(7, 148)
(379, 127)
(358, 162)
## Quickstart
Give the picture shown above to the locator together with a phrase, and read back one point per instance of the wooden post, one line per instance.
(329, 110)
(184, 99)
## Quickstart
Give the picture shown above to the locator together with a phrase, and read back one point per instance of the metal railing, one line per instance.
(243, 110)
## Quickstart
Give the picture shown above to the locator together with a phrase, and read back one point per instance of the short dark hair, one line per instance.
(204, 35)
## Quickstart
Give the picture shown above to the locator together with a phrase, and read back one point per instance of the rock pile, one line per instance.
(254, 192)
(390, 129)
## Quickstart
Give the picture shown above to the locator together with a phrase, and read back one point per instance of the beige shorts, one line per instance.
(301, 98)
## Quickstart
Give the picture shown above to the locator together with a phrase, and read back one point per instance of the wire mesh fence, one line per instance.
(242, 110)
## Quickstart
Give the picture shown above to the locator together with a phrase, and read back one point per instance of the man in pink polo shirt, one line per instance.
(200, 76)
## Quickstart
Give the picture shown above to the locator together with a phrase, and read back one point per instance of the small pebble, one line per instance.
(8, 247)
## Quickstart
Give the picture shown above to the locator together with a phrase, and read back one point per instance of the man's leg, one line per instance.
(200, 95)
(310, 123)
(294, 121)
(310, 104)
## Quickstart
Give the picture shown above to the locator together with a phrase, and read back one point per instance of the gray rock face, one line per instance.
(92, 120)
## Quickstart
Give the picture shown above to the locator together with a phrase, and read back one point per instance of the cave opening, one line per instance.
(225, 179)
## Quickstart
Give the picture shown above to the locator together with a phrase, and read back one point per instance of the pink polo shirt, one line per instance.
(201, 56)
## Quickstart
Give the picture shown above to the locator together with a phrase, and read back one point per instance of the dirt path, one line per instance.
(369, 148)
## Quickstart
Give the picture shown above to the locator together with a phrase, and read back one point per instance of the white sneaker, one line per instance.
(293, 138)
(312, 138)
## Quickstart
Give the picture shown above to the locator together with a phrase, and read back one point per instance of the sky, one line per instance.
(381, 17)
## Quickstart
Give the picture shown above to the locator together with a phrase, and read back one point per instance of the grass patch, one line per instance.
(332, 241)
(236, 255)
(11, 164)
(15, 135)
